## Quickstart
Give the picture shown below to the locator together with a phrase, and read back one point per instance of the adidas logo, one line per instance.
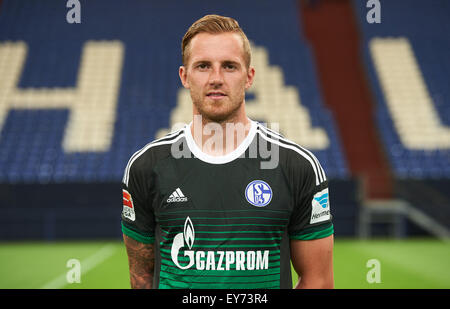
(177, 196)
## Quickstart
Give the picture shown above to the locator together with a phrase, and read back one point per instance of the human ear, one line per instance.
(250, 77)
(182, 71)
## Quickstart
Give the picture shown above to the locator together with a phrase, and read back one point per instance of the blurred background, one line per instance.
(363, 84)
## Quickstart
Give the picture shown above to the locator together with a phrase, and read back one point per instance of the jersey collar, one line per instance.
(198, 153)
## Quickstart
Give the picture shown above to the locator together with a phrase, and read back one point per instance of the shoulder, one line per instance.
(292, 156)
(148, 156)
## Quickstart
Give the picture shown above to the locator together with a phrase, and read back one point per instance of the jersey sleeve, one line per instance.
(138, 221)
(311, 217)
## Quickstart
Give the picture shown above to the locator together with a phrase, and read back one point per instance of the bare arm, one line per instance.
(313, 262)
(141, 260)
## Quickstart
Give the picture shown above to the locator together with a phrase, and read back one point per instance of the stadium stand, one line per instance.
(85, 96)
(76, 100)
(406, 56)
(408, 65)
(331, 29)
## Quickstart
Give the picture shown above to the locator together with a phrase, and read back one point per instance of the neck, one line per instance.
(219, 138)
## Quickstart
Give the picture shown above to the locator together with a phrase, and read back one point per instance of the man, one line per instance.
(201, 210)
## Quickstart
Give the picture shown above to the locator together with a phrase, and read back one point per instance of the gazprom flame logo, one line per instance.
(181, 240)
(213, 260)
(189, 232)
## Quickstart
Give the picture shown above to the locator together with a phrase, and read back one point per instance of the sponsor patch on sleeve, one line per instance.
(320, 207)
(128, 209)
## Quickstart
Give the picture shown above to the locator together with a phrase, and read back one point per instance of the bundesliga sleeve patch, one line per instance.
(320, 207)
(128, 209)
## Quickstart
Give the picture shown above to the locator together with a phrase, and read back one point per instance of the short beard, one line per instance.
(217, 117)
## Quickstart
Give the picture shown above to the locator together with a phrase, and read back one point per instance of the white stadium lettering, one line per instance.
(92, 102)
(408, 100)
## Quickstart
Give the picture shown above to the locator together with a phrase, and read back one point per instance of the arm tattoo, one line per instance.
(141, 260)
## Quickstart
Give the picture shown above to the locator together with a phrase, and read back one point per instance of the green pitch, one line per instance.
(103, 265)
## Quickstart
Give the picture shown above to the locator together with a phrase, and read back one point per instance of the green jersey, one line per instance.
(224, 222)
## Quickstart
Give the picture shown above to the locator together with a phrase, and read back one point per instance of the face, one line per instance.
(216, 75)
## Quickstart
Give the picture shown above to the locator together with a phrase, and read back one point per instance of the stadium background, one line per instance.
(371, 100)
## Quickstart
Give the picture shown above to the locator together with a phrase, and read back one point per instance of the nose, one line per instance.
(215, 77)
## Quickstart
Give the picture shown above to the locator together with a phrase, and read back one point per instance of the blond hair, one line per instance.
(214, 24)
